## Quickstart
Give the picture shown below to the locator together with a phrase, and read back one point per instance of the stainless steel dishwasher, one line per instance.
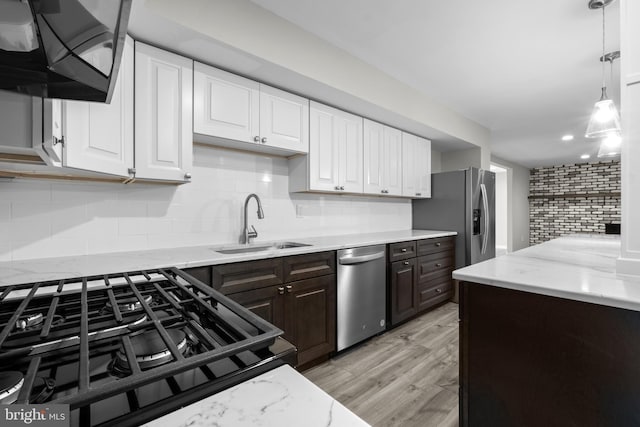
(362, 294)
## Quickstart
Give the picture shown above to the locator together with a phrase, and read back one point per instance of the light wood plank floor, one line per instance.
(405, 377)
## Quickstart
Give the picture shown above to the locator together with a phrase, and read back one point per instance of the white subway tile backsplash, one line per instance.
(45, 219)
(5, 211)
(24, 190)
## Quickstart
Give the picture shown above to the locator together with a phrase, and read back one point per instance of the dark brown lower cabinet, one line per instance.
(310, 316)
(403, 292)
(296, 293)
(534, 360)
(419, 283)
(305, 310)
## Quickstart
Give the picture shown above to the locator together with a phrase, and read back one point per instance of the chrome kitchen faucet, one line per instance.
(251, 234)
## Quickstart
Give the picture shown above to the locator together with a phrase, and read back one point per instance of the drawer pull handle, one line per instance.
(438, 264)
(289, 289)
(438, 290)
(437, 243)
(403, 250)
(406, 263)
(281, 290)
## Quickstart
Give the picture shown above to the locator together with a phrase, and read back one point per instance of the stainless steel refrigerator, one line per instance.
(462, 201)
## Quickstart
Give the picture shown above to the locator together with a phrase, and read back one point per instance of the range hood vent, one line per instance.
(67, 49)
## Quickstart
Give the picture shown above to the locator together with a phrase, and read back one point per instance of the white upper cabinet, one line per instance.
(284, 120)
(416, 166)
(230, 108)
(97, 136)
(164, 114)
(334, 162)
(382, 159)
(92, 136)
(225, 105)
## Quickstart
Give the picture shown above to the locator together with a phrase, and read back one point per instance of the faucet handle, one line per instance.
(252, 233)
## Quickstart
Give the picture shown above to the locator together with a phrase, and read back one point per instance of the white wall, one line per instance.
(462, 159)
(502, 213)
(56, 218)
(518, 204)
(436, 161)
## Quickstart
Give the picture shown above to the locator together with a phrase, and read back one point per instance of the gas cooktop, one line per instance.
(126, 348)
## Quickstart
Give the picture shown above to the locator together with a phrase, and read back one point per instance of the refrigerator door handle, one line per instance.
(485, 207)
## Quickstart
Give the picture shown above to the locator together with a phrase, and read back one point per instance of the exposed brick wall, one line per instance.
(572, 199)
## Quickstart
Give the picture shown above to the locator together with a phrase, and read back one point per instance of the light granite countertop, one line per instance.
(281, 397)
(578, 267)
(34, 270)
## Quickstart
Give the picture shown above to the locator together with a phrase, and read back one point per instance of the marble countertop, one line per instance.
(281, 397)
(27, 271)
(578, 267)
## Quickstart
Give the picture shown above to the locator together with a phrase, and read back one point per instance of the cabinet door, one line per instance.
(423, 168)
(284, 120)
(163, 108)
(416, 166)
(392, 164)
(310, 316)
(268, 303)
(225, 105)
(335, 150)
(404, 302)
(324, 151)
(409, 164)
(373, 147)
(349, 136)
(99, 137)
(52, 140)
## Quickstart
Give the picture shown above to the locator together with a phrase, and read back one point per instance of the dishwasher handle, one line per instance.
(348, 260)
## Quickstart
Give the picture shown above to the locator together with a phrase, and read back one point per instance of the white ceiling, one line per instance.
(529, 71)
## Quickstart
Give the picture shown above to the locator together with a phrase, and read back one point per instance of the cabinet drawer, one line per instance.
(244, 276)
(431, 293)
(429, 246)
(201, 273)
(402, 250)
(437, 261)
(299, 267)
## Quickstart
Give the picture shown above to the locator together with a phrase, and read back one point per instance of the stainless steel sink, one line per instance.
(259, 247)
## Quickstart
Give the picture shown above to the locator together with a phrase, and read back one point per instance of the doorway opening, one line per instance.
(502, 209)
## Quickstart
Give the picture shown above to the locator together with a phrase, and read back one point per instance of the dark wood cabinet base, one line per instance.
(534, 360)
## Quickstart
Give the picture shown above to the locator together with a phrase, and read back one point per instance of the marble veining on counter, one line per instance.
(27, 271)
(578, 267)
(281, 397)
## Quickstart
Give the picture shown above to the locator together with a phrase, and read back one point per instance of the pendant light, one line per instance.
(604, 118)
(611, 143)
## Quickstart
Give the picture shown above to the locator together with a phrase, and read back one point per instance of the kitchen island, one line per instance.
(549, 336)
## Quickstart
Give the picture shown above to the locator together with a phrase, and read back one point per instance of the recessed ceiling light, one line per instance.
(585, 156)
(567, 138)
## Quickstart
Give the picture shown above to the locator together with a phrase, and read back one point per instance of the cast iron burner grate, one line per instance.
(91, 339)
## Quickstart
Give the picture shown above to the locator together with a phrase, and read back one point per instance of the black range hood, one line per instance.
(68, 49)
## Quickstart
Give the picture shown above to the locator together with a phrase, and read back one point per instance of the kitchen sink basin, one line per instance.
(259, 247)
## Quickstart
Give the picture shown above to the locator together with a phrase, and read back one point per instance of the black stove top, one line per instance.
(123, 349)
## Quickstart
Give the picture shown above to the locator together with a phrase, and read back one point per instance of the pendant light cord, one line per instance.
(603, 58)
